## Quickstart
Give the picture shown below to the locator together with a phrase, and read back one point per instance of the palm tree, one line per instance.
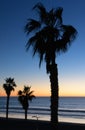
(50, 37)
(24, 97)
(9, 87)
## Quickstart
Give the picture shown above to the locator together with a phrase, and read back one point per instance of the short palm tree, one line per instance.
(50, 37)
(24, 97)
(9, 86)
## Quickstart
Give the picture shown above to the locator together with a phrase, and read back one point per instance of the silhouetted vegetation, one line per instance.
(9, 86)
(24, 97)
(50, 37)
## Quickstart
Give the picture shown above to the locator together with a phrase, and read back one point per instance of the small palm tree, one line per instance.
(9, 86)
(50, 38)
(24, 97)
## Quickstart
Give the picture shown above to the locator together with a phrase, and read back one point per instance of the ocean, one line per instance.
(71, 109)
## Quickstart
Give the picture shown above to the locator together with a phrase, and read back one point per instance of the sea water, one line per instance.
(71, 109)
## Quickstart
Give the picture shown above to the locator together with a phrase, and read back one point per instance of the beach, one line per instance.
(71, 114)
(22, 124)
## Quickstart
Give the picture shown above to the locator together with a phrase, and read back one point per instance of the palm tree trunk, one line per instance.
(25, 114)
(7, 106)
(54, 95)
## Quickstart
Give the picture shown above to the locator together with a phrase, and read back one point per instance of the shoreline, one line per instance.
(22, 124)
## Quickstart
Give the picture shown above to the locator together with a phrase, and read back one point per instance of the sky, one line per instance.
(16, 63)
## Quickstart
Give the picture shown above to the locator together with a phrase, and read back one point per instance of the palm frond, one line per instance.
(42, 11)
(26, 89)
(25, 96)
(31, 25)
(9, 85)
(38, 44)
(20, 92)
(31, 97)
(58, 14)
(31, 42)
(69, 34)
(30, 93)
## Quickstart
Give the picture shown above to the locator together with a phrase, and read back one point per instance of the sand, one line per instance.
(21, 124)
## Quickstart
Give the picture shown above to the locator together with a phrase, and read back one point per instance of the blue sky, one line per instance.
(15, 62)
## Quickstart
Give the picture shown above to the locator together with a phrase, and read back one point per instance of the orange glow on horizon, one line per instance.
(44, 93)
(65, 89)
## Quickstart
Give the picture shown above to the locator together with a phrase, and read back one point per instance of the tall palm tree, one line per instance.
(9, 86)
(24, 97)
(50, 38)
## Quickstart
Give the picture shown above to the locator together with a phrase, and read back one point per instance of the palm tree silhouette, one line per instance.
(9, 87)
(24, 97)
(50, 37)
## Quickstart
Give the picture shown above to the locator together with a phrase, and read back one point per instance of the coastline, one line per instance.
(22, 124)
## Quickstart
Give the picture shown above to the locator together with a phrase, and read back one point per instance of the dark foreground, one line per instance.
(21, 124)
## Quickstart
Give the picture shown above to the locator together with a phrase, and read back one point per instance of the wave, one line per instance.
(72, 110)
(45, 109)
